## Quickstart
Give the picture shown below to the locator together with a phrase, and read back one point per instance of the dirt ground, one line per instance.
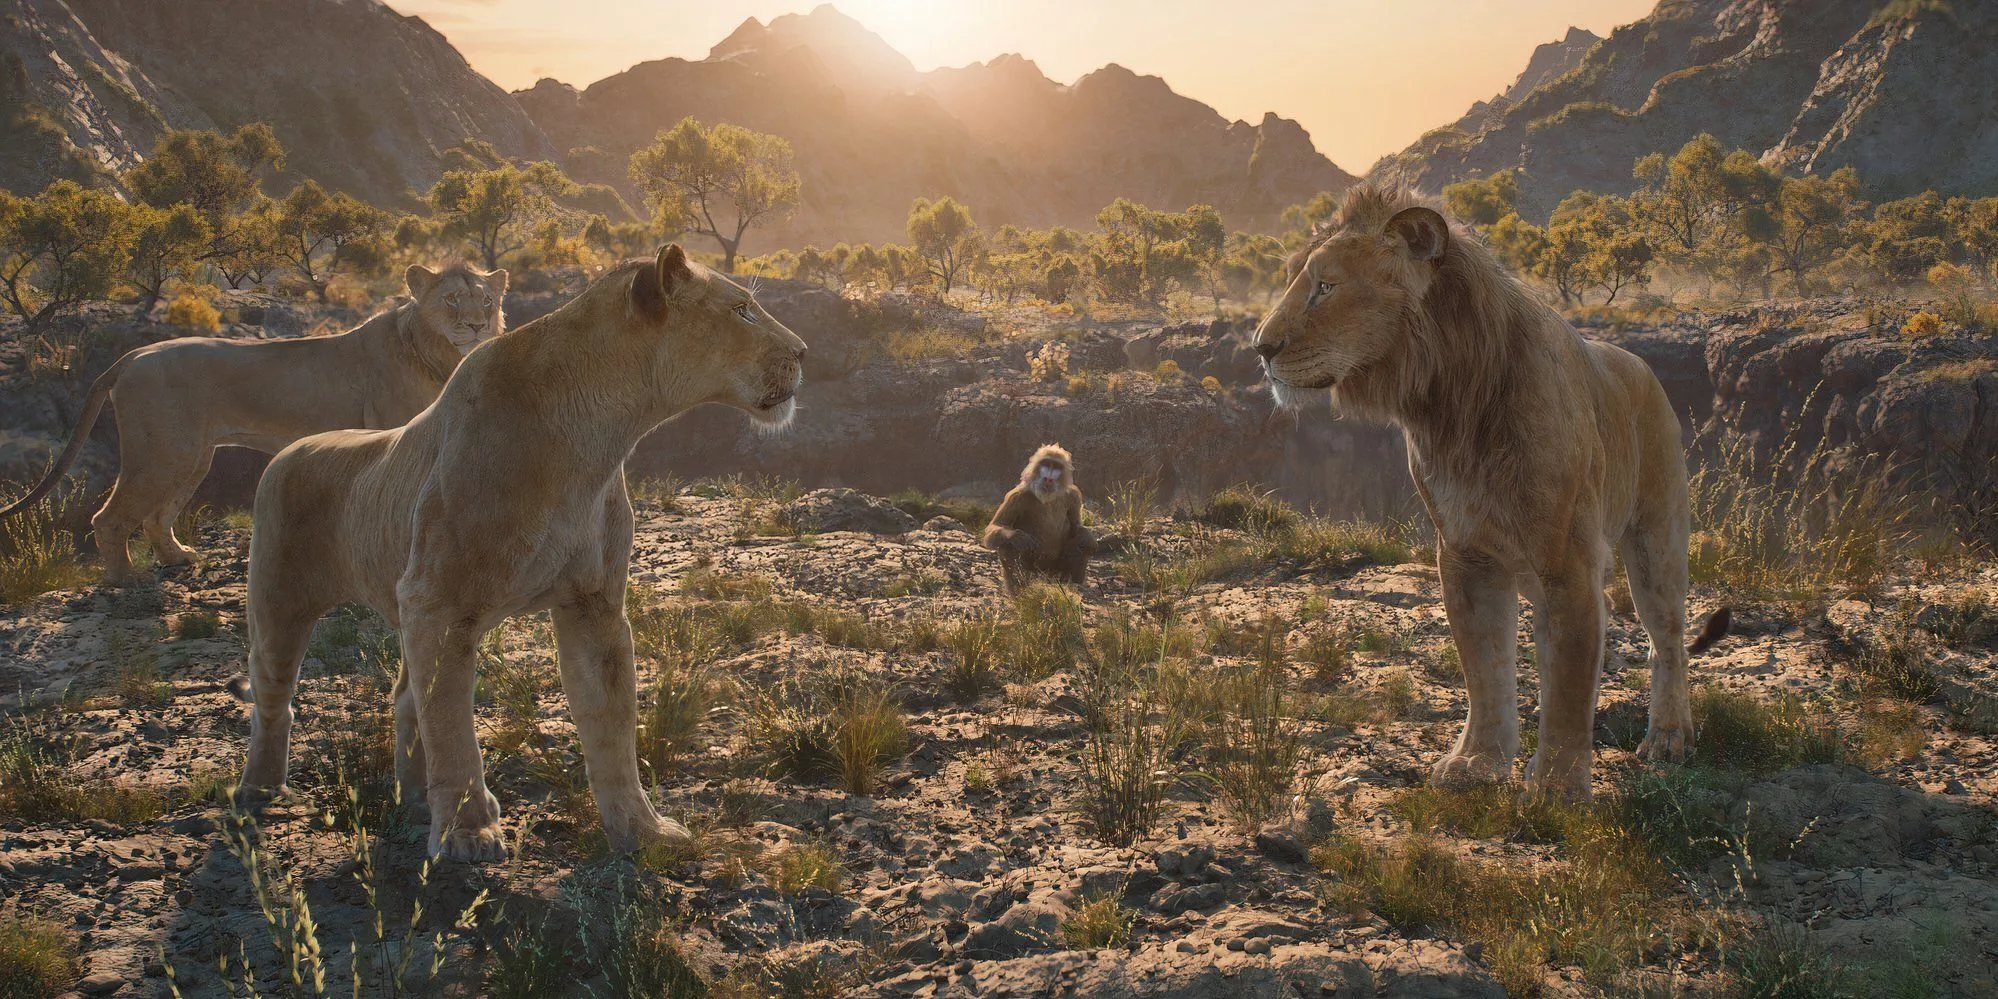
(967, 868)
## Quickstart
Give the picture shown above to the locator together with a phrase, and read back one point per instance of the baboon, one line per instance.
(1038, 529)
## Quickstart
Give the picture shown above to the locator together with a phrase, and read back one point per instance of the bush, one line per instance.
(194, 309)
(805, 866)
(37, 555)
(36, 958)
(1099, 922)
(1922, 325)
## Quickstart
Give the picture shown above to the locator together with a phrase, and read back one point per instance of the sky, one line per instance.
(1364, 77)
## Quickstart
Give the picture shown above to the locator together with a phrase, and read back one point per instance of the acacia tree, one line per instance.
(716, 182)
(247, 247)
(59, 248)
(214, 174)
(315, 231)
(944, 235)
(167, 243)
(1809, 223)
(498, 209)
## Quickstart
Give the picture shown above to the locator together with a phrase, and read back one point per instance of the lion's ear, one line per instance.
(1424, 230)
(498, 278)
(672, 269)
(420, 280)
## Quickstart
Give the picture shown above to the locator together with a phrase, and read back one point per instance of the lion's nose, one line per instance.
(1270, 350)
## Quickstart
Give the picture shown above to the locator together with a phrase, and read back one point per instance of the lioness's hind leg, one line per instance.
(1656, 563)
(593, 642)
(173, 497)
(1483, 611)
(409, 762)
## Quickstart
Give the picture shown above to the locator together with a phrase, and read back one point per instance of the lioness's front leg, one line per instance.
(1568, 677)
(439, 654)
(1483, 611)
(593, 642)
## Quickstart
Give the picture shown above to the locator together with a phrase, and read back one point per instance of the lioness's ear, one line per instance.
(498, 277)
(1424, 230)
(420, 280)
(672, 269)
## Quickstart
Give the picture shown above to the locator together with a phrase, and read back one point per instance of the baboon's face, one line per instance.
(1050, 478)
(1351, 302)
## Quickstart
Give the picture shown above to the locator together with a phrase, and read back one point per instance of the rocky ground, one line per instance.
(1861, 855)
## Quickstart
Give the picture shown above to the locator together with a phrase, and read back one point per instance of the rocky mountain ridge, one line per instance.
(1897, 90)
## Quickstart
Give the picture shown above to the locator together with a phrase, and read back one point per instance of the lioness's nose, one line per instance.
(1270, 350)
(799, 353)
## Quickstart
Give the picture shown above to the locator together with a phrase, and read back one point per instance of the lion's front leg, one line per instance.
(1569, 672)
(439, 653)
(593, 642)
(1483, 611)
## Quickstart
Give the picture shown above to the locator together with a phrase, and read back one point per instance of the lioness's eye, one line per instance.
(1324, 288)
(742, 312)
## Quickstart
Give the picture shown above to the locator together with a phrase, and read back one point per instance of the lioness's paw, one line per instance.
(644, 833)
(475, 845)
(1464, 770)
(1666, 743)
(1565, 783)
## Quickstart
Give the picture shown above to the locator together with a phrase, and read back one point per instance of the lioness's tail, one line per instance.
(1713, 631)
(100, 390)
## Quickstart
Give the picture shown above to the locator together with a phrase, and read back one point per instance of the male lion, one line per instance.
(1534, 451)
(505, 497)
(178, 400)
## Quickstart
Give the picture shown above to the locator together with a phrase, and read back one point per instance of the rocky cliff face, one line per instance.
(1900, 92)
(363, 98)
(872, 135)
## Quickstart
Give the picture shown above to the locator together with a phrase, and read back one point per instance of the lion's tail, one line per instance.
(1713, 631)
(100, 390)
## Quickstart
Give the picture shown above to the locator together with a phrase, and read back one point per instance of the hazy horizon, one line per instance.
(1347, 70)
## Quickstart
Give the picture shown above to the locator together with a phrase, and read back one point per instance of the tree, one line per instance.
(1809, 224)
(1484, 201)
(1303, 219)
(60, 248)
(1911, 235)
(247, 247)
(716, 182)
(218, 176)
(316, 231)
(166, 244)
(498, 209)
(1980, 234)
(944, 236)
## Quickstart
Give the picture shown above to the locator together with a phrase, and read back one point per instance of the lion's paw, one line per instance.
(471, 845)
(656, 831)
(1569, 784)
(1466, 770)
(1666, 743)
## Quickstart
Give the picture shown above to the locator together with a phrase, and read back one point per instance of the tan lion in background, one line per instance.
(506, 497)
(1534, 451)
(179, 400)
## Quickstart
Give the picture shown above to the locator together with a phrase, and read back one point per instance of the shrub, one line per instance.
(1126, 767)
(37, 556)
(1259, 743)
(801, 867)
(1100, 921)
(1049, 363)
(868, 730)
(196, 625)
(1167, 371)
(194, 309)
(1211, 384)
(1922, 325)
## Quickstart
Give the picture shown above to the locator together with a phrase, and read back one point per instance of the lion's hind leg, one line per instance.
(1656, 563)
(1483, 610)
(156, 477)
(439, 654)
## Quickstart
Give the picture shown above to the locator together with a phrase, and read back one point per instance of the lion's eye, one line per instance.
(1325, 288)
(742, 312)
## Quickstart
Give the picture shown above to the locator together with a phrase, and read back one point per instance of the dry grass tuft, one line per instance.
(1100, 921)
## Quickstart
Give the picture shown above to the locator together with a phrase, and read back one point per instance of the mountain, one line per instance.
(1900, 90)
(363, 98)
(872, 134)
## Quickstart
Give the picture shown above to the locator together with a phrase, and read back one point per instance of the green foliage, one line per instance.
(37, 555)
(497, 209)
(1100, 921)
(213, 174)
(944, 236)
(61, 247)
(166, 245)
(36, 958)
(715, 181)
(314, 231)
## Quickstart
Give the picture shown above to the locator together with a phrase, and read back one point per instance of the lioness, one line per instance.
(1534, 451)
(504, 497)
(178, 400)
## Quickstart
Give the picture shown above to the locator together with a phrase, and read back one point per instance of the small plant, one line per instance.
(802, 867)
(707, 582)
(974, 648)
(1897, 659)
(139, 682)
(1100, 921)
(197, 624)
(1740, 731)
(36, 958)
(868, 730)
(1329, 654)
(1922, 325)
(1210, 384)
(1244, 508)
(193, 308)
(1784, 963)
(37, 556)
(1257, 746)
(513, 684)
(670, 726)
(645, 958)
(1126, 767)
(1047, 630)
(526, 963)
(1167, 371)
(793, 730)
(1131, 507)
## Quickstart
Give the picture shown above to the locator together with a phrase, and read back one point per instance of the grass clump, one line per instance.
(1350, 706)
(1257, 742)
(196, 625)
(841, 726)
(1897, 660)
(38, 784)
(1100, 921)
(37, 555)
(1047, 630)
(868, 731)
(802, 867)
(1244, 508)
(974, 650)
(706, 581)
(36, 958)
(645, 958)
(670, 724)
(1126, 767)
(1742, 732)
(526, 963)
